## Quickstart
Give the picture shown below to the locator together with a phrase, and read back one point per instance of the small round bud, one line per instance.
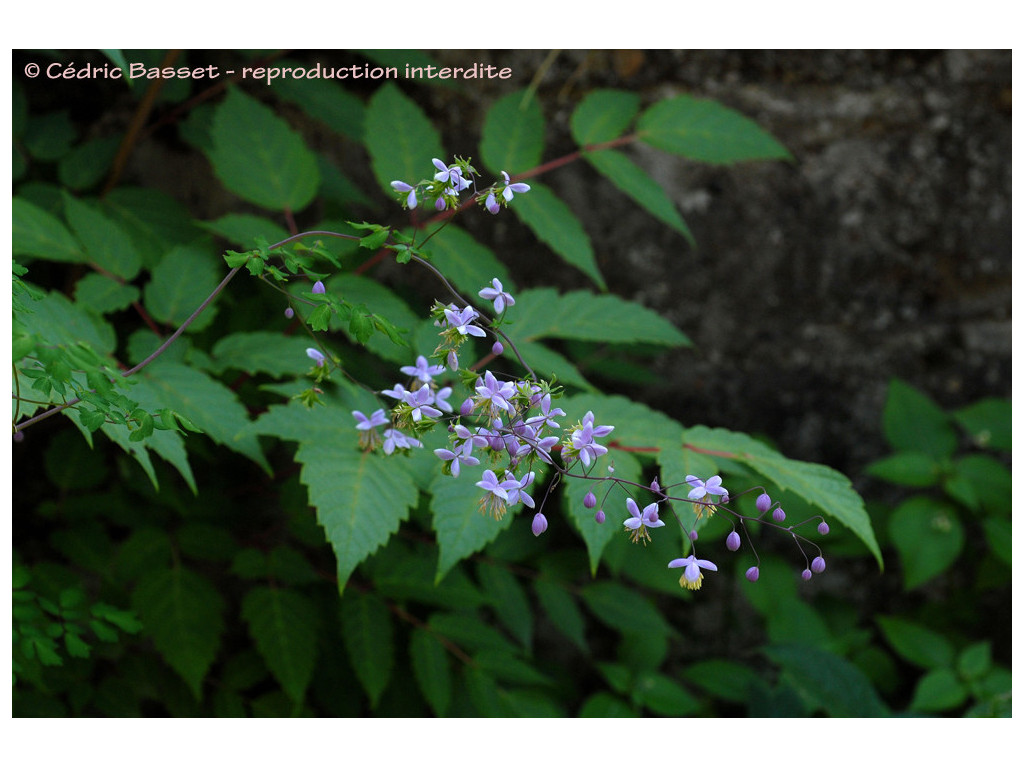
(590, 500)
(289, 312)
(693, 535)
(467, 407)
(654, 486)
(818, 564)
(753, 573)
(732, 541)
(823, 528)
(318, 287)
(806, 574)
(724, 499)
(778, 515)
(764, 501)
(599, 516)
(497, 348)
(540, 524)
(654, 516)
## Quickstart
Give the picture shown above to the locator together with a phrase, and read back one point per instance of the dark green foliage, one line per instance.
(205, 537)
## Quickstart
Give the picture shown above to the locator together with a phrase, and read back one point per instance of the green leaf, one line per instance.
(989, 480)
(706, 131)
(832, 682)
(916, 643)
(547, 363)
(543, 313)
(913, 422)
(929, 537)
(261, 352)
(624, 609)
(605, 705)
(466, 263)
(470, 632)
(432, 670)
(597, 535)
(184, 614)
(210, 405)
(360, 498)
(400, 138)
(243, 229)
(910, 468)
(988, 422)
(818, 485)
(105, 243)
(369, 639)
(937, 691)
(663, 696)
(723, 679)
(975, 660)
(556, 226)
(324, 101)
(513, 134)
(603, 115)
(999, 535)
(154, 220)
(38, 233)
(49, 137)
(283, 625)
(85, 165)
(462, 529)
(179, 284)
(103, 294)
(508, 599)
(561, 610)
(634, 181)
(259, 157)
(59, 322)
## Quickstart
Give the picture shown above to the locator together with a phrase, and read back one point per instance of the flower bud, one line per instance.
(823, 528)
(806, 574)
(497, 348)
(540, 524)
(590, 500)
(818, 564)
(753, 573)
(655, 488)
(599, 516)
(724, 499)
(764, 501)
(318, 287)
(693, 535)
(467, 407)
(316, 355)
(732, 541)
(289, 312)
(778, 515)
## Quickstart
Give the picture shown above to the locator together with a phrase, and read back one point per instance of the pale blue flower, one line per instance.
(316, 356)
(402, 187)
(498, 295)
(638, 522)
(423, 370)
(692, 577)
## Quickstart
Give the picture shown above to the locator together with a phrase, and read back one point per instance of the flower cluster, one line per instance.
(443, 190)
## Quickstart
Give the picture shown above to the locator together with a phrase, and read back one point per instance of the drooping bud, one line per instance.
(823, 528)
(289, 312)
(753, 573)
(806, 574)
(318, 287)
(590, 500)
(540, 524)
(764, 501)
(497, 348)
(599, 516)
(732, 541)
(818, 564)
(778, 515)
(693, 535)
(467, 407)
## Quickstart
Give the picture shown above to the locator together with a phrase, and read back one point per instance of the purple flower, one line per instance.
(498, 295)
(702, 489)
(823, 528)
(398, 392)
(732, 541)
(583, 444)
(423, 370)
(441, 399)
(539, 525)
(460, 320)
(692, 577)
(763, 503)
(421, 403)
(492, 205)
(393, 439)
(316, 355)
(495, 501)
(402, 187)
(450, 174)
(638, 522)
(599, 516)
(494, 394)
(778, 515)
(753, 573)
(377, 419)
(458, 457)
(516, 488)
(590, 500)
(806, 574)
(546, 414)
(507, 190)
(818, 564)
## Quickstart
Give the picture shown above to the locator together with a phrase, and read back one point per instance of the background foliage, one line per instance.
(189, 562)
